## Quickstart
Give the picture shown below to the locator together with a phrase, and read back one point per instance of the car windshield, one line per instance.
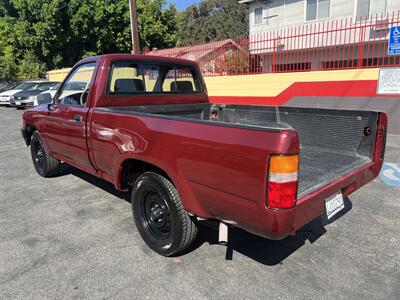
(56, 86)
(26, 85)
(43, 86)
(75, 86)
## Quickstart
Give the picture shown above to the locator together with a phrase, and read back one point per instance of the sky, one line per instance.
(182, 4)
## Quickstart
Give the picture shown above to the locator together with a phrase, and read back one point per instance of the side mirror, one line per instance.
(50, 107)
(44, 99)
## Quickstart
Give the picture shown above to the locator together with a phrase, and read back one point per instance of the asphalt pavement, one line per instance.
(73, 237)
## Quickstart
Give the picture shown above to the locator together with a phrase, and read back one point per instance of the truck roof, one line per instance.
(123, 56)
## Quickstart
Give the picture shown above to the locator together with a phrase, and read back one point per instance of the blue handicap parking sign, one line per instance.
(394, 41)
(390, 174)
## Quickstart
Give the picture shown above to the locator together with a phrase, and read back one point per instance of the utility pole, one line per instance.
(134, 27)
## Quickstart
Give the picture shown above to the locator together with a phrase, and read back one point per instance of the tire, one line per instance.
(160, 218)
(45, 165)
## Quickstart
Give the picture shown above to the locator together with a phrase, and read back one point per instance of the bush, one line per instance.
(30, 66)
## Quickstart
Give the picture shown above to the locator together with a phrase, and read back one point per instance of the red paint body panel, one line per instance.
(211, 183)
(220, 172)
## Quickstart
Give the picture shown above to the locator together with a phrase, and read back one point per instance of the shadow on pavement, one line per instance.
(66, 169)
(262, 250)
(265, 251)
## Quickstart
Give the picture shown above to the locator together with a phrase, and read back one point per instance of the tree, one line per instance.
(102, 26)
(8, 64)
(38, 28)
(57, 33)
(30, 66)
(8, 59)
(212, 20)
(6, 8)
(98, 27)
(157, 26)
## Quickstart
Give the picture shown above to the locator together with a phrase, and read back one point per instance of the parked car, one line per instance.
(47, 96)
(5, 97)
(7, 85)
(145, 124)
(28, 97)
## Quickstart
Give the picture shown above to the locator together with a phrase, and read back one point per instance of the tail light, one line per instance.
(282, 181)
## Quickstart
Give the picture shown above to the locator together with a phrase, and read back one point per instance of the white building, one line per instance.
(324, 34)
(276, 14)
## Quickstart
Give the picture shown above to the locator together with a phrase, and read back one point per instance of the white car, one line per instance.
(6, 95)
(28, 97)
(69, 89)
(47, 96)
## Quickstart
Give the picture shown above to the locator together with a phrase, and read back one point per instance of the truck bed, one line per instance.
(333, 143)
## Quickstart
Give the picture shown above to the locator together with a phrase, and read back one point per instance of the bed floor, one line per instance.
(318, 168)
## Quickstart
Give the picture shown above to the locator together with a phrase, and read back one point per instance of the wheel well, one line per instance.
(29, 129)
(132, 169)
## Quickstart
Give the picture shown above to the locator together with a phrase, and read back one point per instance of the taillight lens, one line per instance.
(282, 181)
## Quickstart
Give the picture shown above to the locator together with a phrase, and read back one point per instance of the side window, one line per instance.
(130, 78)
(74, 91)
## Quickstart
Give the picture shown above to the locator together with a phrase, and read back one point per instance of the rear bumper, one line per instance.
(278, 224)
(313, 205)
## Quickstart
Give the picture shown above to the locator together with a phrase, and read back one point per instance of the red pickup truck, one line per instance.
(145, 124)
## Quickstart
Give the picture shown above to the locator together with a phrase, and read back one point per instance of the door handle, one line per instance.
(78, 118)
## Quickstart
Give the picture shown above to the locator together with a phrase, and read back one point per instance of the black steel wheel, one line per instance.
(159, 215)
(37, 155)
(155, 214)
(44, 164)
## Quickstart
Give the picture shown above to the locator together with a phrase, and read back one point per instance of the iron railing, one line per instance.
(330, 45)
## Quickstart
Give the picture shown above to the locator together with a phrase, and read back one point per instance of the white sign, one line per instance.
(389, 81)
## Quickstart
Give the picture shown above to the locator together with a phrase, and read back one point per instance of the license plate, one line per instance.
(17, 103)
(333, 205)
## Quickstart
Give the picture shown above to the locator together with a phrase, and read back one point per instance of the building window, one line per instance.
(317, 9)
(258, 15)
(362, 8)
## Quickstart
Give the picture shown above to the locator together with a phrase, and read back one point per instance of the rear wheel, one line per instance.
(45, 165)
(159, 215)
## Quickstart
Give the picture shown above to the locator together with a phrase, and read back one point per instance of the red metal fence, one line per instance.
(331, 45)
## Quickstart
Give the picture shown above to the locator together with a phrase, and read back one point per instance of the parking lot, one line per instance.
(73, 236)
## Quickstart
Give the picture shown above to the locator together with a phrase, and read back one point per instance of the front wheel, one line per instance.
(159, 215)
(45, 165)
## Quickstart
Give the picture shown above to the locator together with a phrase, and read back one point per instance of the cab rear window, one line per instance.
(137, 78)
